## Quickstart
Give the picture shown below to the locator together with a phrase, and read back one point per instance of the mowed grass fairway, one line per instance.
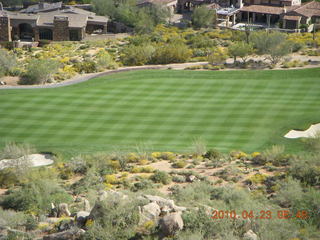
(165, 110)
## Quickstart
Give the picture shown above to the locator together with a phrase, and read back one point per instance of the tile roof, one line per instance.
(42, 7)
(263, 9)
(309, 9)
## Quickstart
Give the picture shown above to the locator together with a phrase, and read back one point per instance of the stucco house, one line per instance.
(46, 21)
(288, 14)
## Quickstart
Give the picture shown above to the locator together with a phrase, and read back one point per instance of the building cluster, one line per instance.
(57, 22)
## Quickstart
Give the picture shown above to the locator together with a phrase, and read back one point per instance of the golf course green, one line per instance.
(165, 110)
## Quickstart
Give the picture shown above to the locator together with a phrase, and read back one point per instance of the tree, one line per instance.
(203, 17)
(275, 45)
(40, 71)
(217, 56)
(240, 49)
(7, 62)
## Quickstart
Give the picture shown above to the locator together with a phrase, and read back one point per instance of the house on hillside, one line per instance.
(286, 14)
(50, 22)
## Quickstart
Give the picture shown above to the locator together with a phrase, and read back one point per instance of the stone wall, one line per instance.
(61, 29)
(5, 28)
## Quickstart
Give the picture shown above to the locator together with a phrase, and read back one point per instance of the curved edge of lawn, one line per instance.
(82, 79)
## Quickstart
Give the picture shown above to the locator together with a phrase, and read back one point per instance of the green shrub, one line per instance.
(114, 219)
(7, 62)
(180, 164)
(137, 55)
(290, 192)
(161, 177)
(306, 169)
(179, 179)
(40, 71)
(105, 61)
(13, 150)
(171, 53)
(212, 154)
(86, 67)
(36, 197)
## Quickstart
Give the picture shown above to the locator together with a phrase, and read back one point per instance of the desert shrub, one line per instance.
(7, 62)
(199, 147)
(212, 154)
(201, 41)
(313, 144)
(114, 219)
(14, 219)
(13, 150)
(143, 184)
(200, 221)
(163, 155)
(171, 53)
(293, 64)
(194, 193)
(241, 49)
(217, 56)
(40, 71)
(306, 169)
(230, 173)
(309, 201)
(179, 179)
(179, 164)
(36, 196)
(91, 181)
(290, 191)
(161, 177)
(137, 55)
(86, 67)
(105, 61)
(276, 155)
(274, 44)
(258, 178)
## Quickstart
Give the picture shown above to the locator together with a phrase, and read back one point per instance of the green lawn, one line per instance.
(165, 110)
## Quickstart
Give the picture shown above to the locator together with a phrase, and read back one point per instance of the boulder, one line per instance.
(149, 212)
(103, 195)
(162, 202)
(81, 218)
(171, 223)
(63, 210)
(250, 235)
(191, 178)
(72, 234)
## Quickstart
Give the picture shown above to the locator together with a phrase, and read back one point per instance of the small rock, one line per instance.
(191, 178)
(250, 235)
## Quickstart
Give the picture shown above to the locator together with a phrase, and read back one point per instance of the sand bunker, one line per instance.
(311, 132)
(35, 160)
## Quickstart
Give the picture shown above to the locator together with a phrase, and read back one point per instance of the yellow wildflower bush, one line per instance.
(133, 157)
(110, 178)
(258, 178)
(143, 162)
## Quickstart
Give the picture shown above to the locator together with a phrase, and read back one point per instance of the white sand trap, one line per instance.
(35, 160)
(311, 132)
